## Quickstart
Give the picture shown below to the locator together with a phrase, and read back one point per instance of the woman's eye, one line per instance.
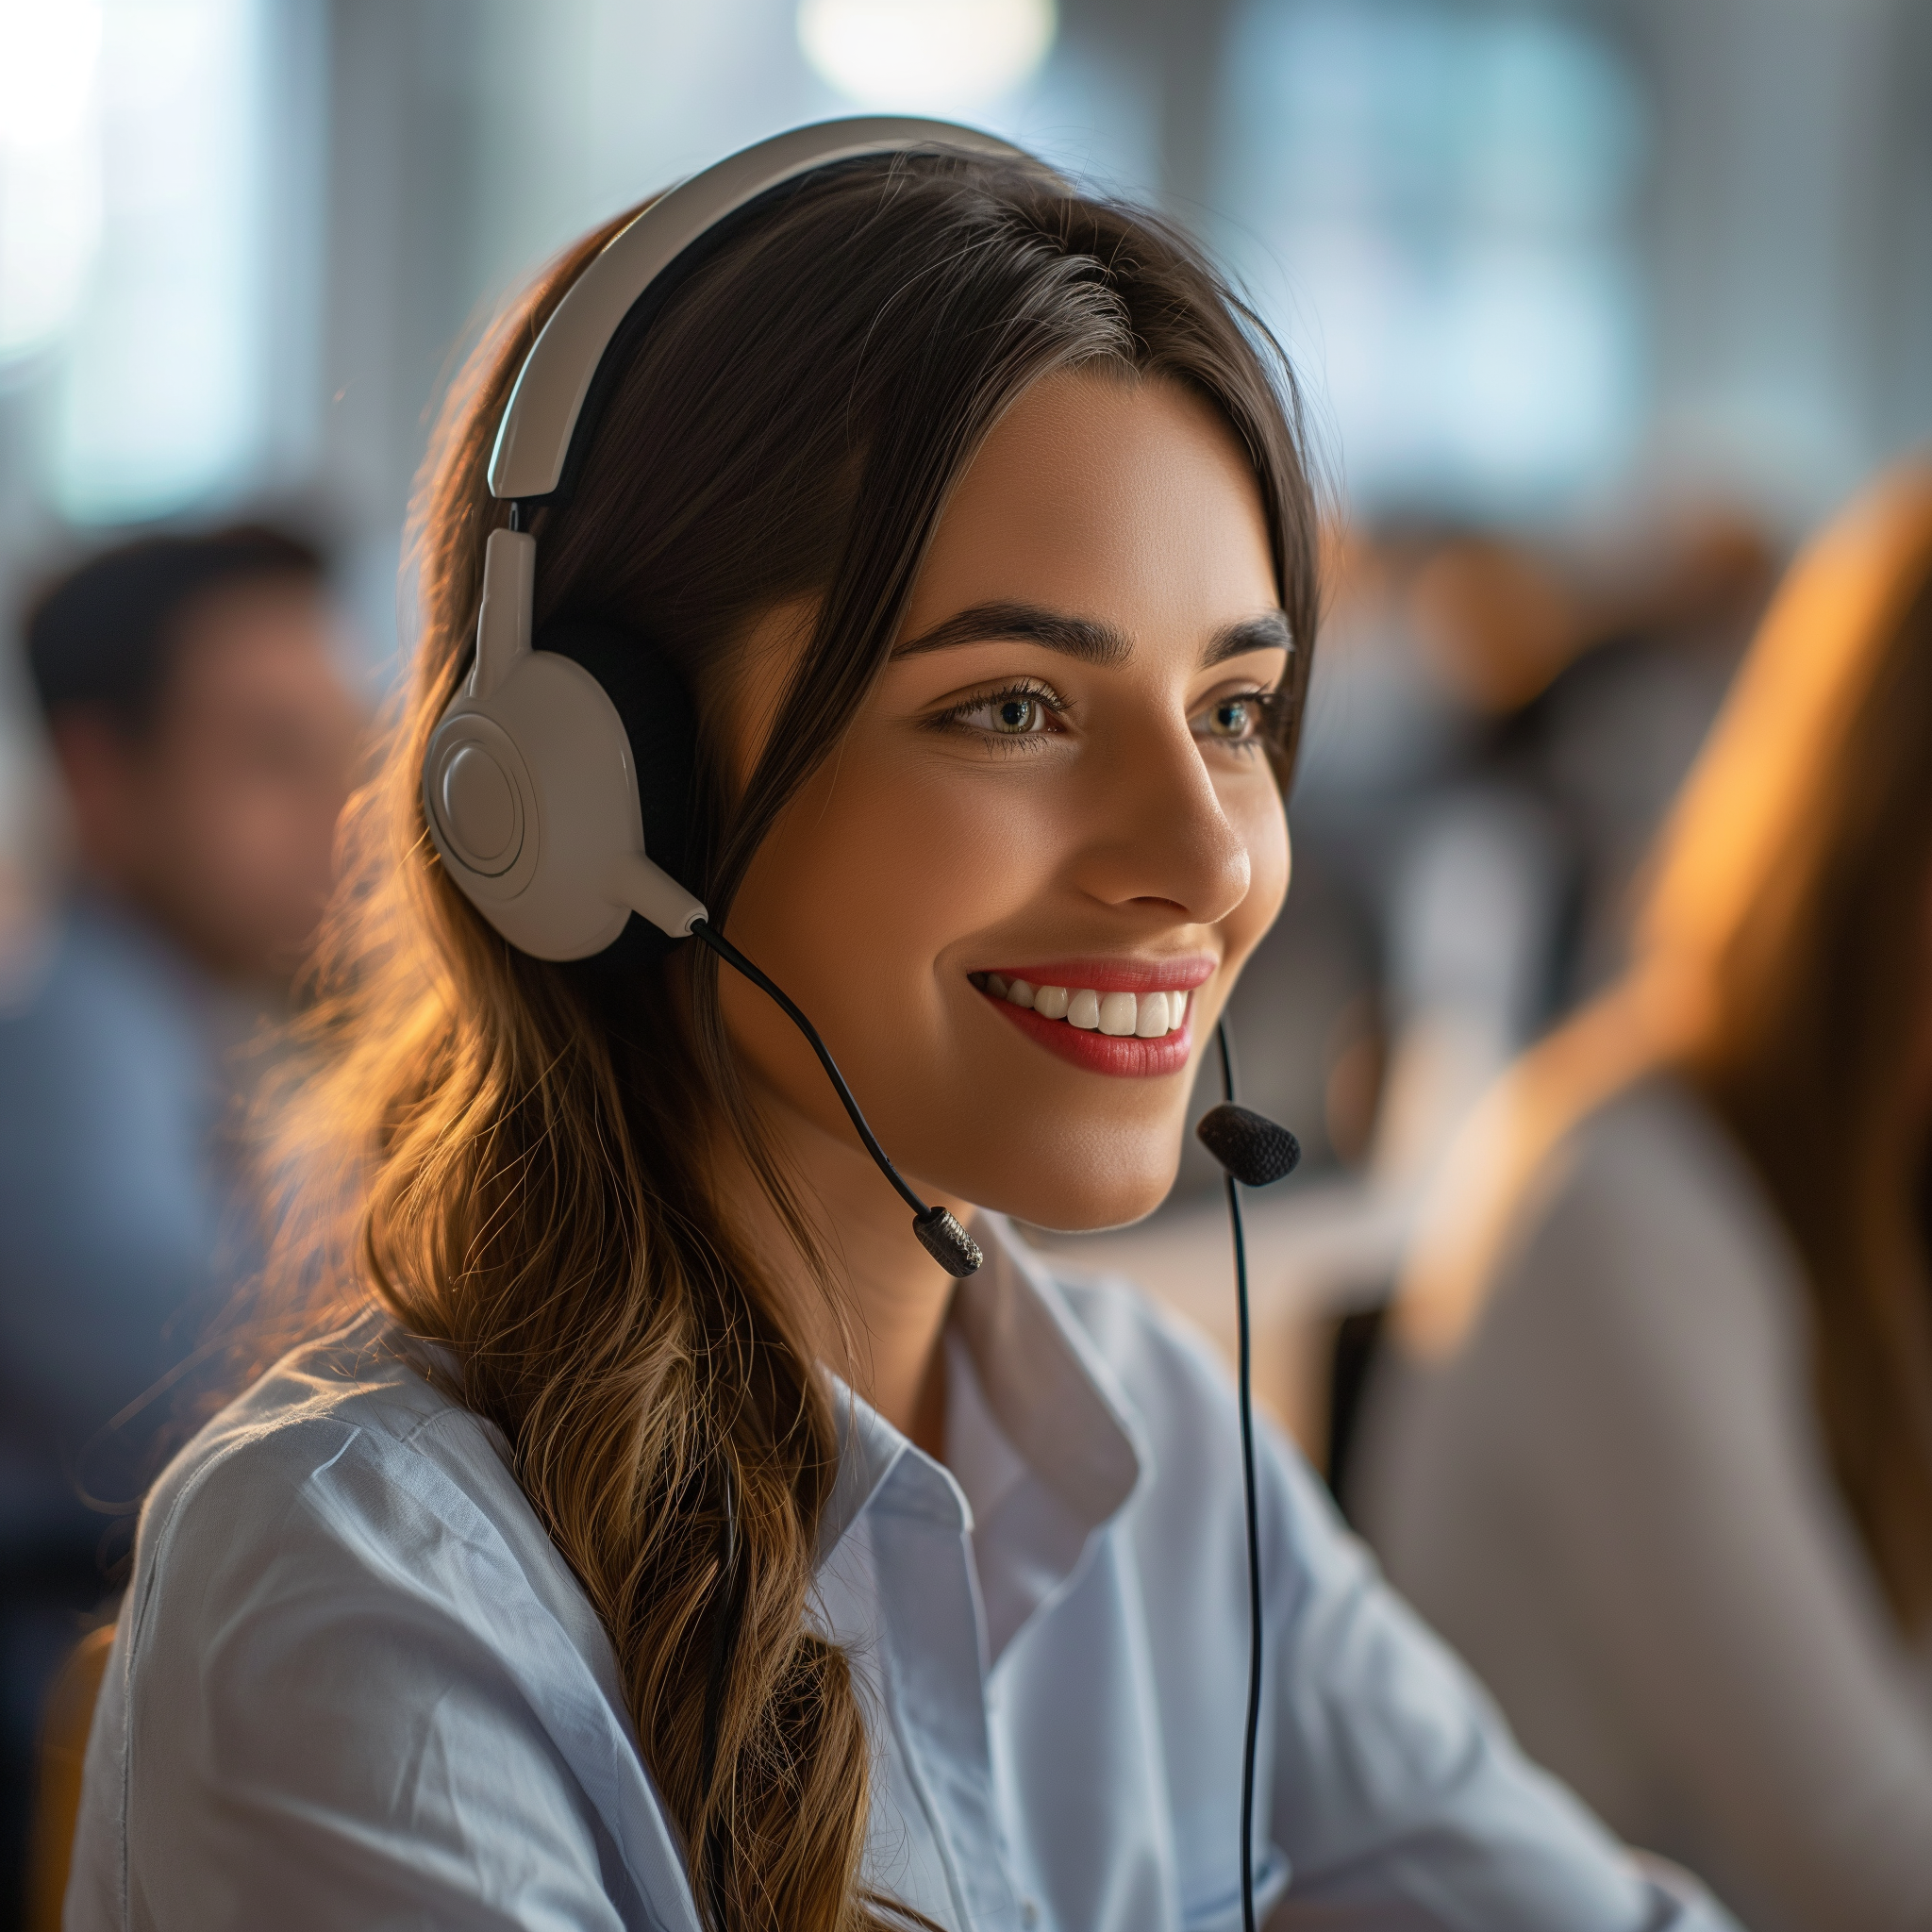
(1235, 720)
(1012, 714)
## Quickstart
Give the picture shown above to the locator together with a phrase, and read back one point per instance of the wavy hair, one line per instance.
(519, 1166)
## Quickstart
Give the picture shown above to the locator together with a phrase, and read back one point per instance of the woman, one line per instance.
(667, 1541)
(1658, 1456)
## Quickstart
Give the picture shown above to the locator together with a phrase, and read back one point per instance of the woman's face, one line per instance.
(1058, 782)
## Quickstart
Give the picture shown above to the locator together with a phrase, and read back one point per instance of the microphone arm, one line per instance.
(939, 1233)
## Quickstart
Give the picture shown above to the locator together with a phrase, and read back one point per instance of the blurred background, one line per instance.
(1599, 307)
(1566, 270)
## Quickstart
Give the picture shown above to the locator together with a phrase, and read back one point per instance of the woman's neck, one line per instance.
(897, 1296)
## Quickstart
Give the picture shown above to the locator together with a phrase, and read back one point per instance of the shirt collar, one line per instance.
(1052, 1396)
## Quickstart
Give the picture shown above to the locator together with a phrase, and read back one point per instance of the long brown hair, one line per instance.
(1783, 966)
(1811, 1048)
(524, 1145)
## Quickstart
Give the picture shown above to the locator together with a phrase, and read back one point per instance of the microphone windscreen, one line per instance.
(946, 1242)
(1248, 1144)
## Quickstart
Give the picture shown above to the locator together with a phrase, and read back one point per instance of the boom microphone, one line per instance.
(1250, 1146)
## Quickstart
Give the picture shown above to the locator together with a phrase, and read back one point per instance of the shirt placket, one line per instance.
(937, 1686)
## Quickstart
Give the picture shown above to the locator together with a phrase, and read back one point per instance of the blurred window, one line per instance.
(942, 57)
(49, 168)
(1431, 201)
(142, 143)
(592, 104)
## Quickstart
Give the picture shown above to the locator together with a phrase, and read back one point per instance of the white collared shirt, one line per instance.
(355, 1686)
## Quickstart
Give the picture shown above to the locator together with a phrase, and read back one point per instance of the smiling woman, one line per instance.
(664, 1538)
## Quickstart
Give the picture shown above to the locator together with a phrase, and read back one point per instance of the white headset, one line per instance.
(530, 784)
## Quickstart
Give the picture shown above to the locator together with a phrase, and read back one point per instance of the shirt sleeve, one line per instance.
(315, 1741)
(1400, 1799)
(1648, 1365)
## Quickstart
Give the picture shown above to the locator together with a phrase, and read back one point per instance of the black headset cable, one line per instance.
(940, 1234)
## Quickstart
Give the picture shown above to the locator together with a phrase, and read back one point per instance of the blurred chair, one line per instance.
(57, 1798)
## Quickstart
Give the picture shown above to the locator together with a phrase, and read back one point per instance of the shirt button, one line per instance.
(1029, 1913)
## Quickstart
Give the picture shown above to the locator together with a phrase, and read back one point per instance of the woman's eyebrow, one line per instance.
(1090, 639)
(1086, 638)
(1269, 631)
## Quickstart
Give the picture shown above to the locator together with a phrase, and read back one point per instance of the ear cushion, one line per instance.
(662, 725)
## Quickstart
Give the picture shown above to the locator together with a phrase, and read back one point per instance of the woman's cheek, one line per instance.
(875, 868)
(1263, 821)
(970, 836)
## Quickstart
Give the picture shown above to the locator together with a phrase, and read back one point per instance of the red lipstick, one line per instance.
(1131, 1055)
(1104, 1053)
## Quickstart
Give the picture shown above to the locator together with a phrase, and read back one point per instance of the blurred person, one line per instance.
(1506, 719)
(1656, 1451)
(1500, 723)
(203, 732)
(1602, 694)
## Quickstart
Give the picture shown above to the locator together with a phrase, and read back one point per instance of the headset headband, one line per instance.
(533, 443)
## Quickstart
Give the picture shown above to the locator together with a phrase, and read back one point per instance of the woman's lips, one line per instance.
(1104, 1053)
(1113, 1016)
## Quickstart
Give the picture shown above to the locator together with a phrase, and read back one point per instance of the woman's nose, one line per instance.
(1158, 830)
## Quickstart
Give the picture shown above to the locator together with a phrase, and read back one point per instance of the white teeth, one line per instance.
(1120, 1015)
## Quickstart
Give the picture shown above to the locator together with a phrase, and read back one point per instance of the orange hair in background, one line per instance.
(1783, 965)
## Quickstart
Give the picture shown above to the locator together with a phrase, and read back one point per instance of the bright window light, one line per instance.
(1438, 197)
(927, 55)
(49, 172)
(161, 400)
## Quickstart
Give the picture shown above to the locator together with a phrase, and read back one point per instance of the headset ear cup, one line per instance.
(661, 723)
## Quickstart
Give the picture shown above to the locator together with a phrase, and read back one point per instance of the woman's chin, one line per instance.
(1085, 1203)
